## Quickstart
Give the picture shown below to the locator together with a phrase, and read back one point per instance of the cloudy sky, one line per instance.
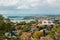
(18, 7)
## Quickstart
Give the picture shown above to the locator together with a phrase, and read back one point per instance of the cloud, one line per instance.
(37, 3)
(26, 4)
(8, 2)
(54, 3)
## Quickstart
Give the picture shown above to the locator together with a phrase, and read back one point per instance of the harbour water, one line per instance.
(20, 18)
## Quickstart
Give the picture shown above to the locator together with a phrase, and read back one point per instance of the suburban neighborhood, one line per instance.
(36, 29)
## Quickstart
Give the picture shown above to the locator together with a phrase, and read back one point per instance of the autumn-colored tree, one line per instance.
(19, 32)
(37, 34)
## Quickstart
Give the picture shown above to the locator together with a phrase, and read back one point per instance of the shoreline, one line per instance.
(26, 20)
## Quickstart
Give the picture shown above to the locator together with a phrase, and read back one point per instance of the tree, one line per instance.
(37, 34)
(26, 28)
(1, 17)
(21, 23)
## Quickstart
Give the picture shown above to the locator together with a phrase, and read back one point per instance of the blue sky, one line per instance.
(28, 7)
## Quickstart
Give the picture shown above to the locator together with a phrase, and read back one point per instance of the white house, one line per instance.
(47, 22)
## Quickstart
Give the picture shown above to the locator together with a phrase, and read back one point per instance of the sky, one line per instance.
(29, 7)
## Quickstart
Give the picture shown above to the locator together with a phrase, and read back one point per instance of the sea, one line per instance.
(18, 17)
(24, 16)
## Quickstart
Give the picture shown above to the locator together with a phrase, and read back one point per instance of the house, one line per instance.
(8, 34)
(56, 21)
(47, 22)
(43, 23)
(14, 34)
(33, 29)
